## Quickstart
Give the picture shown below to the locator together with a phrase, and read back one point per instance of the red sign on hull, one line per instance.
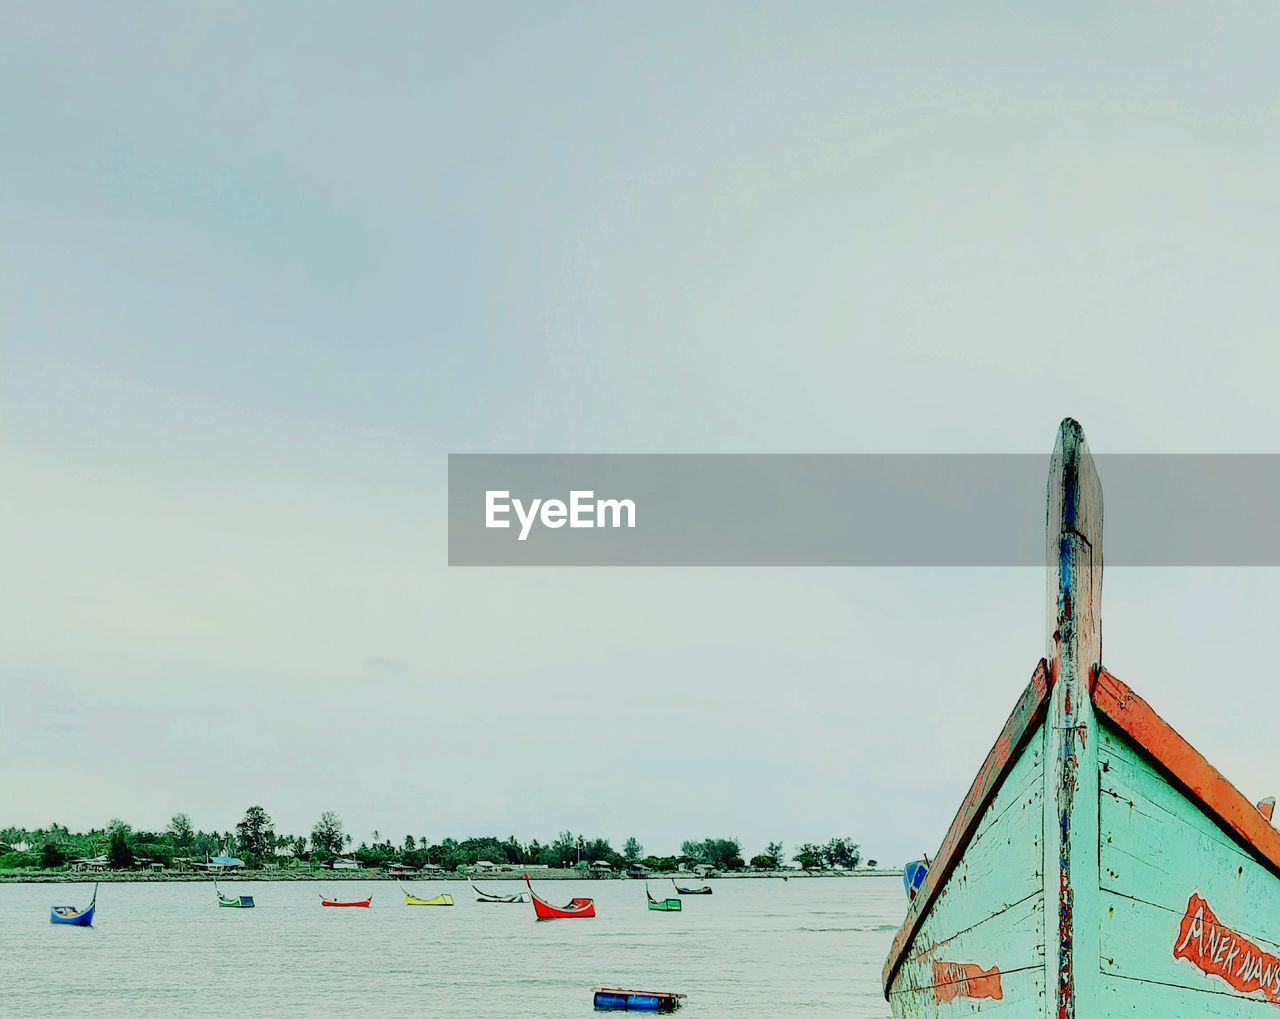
(1220, 952)
(952, 980)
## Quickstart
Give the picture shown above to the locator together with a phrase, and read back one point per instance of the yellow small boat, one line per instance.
(440, 900)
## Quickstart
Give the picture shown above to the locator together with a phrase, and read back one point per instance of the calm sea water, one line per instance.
(806, 947)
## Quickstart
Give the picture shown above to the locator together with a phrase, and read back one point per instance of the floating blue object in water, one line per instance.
(614, 999)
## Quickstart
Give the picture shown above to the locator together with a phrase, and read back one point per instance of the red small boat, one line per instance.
(355, 903)
(545, 911)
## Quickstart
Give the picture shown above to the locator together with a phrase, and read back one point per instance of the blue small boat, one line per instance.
(913, 875)
(615, 999)
(73, 916)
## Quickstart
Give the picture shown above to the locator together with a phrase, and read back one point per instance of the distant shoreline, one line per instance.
(552, 874)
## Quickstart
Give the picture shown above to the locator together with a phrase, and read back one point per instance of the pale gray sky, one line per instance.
(261, 269)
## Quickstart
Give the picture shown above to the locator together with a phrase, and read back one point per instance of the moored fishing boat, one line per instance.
(73, 916)
(671, 905)
(578, 908)
(483, 896)
(233, 901)
(351, 903)
(1099, 865)
(701, 890)
(410, 899)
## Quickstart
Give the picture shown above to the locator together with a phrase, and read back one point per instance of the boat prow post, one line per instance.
(1073, 556)
(1074, 650)
(996, 914)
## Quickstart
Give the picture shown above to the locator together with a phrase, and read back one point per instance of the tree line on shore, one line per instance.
(256, 842)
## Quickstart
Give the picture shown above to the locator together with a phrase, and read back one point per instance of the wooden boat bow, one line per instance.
(1099, 865)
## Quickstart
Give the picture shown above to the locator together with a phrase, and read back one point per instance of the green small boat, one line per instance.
(233, 901)
(661, 905)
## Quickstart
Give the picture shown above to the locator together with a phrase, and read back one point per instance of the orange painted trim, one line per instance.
(1023, 721)
(952, 980)
(1199, 780)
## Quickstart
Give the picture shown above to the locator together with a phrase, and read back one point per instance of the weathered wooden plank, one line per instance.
(981, 946)
(977, 971)
(1164, 862)
(1025, 780)
(1182, 764)
(1004, 942)
(1185, 958)
(1124, 998)
(1191, 917)
(1021, 993)
(1121, 764)
(1023, 723)
(1000, 872)
(1159, 847)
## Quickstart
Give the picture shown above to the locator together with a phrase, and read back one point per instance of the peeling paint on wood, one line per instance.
(1187, 768)
(1022, 725)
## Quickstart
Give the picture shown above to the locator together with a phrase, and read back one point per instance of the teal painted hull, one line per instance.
(1186, 919)
(991, 914)
(1099, 866)
(1163, 866)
